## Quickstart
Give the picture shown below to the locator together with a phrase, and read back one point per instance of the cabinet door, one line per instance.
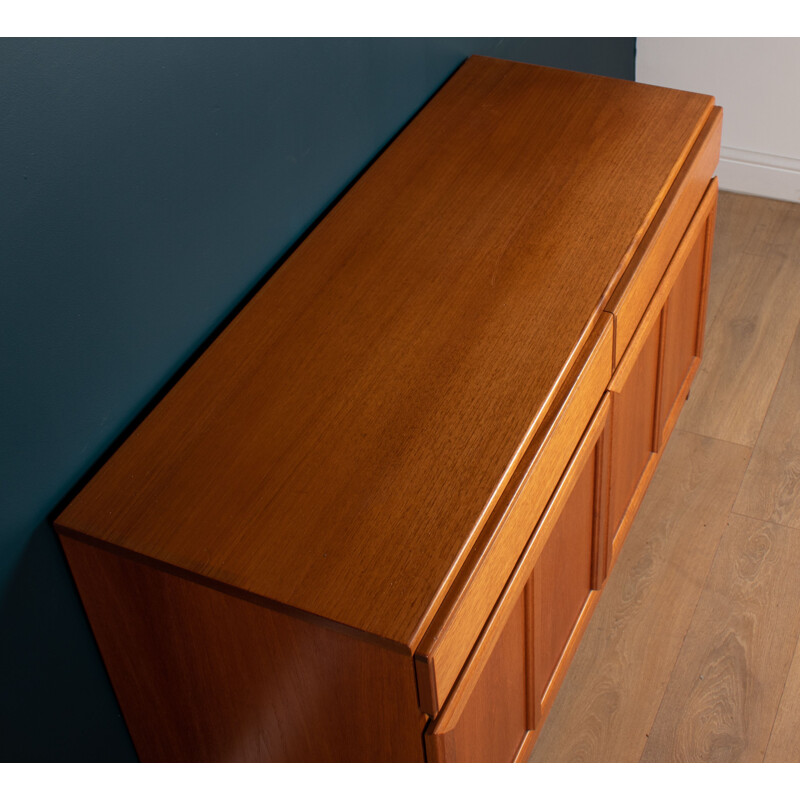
(684, 313)
(569, 571)
(633, 429)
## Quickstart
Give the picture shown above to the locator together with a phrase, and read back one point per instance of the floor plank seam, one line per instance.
(712, 438)
(733, 264)
(777, 712)
(775, 387)
(791, 528)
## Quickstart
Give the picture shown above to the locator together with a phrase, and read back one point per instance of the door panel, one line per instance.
(632, 429)
(682, 315)
(564, 577)
(685, 313)
(571, 567)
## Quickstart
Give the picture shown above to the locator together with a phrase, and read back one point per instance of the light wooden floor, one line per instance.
(693, 653)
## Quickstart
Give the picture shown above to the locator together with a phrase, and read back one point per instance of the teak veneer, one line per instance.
(371, 521)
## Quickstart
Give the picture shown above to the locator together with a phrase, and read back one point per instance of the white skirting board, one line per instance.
(764, 174)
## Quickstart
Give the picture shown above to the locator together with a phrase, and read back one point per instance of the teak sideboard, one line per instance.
(372, 520)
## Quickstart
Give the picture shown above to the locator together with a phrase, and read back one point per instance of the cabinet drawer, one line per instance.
(527, 643)
(456, 626)
(684, 313)
(637, 285)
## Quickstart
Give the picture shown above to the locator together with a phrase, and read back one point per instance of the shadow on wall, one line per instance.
(50, 667)
(149, 184)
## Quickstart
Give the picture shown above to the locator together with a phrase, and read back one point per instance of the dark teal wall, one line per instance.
(147, 186)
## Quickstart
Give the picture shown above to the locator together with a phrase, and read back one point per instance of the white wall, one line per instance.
(757, 82)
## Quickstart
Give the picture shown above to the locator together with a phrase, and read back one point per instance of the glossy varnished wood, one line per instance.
(648, 391)
(521, 588)
(684, 314)
(651, 381)
(568, 654)
(372, 521)
(492, 722)
(386, 381)
(632, 429)
(441, 654)
(563, 576)
(204, 676)
(602, 494)
(637, 286)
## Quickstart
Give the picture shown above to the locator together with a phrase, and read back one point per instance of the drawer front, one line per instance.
(637, 285)
(495, 708)
(456, 626)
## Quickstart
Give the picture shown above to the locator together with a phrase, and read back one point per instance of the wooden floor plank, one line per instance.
(740, 217)
(723, 695)
(613, 689)
(771, 486)
(752, 331)
(784, 743)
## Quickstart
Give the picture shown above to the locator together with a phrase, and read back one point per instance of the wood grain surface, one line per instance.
(752, 331)
(771, 486)
(519, 583)
(456, 626)
(637, 286)
(684, 315)
(491, 723)
(612, 692)
(632, 429)
(338, 448)
(203, 676)
(738, 215)
(784, 741)
(737, 653)
(561, 670)
(563, 576)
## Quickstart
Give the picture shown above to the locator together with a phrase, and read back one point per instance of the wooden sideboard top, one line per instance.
(337, 449)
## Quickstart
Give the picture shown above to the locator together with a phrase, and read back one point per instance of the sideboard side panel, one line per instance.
(204, 676)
